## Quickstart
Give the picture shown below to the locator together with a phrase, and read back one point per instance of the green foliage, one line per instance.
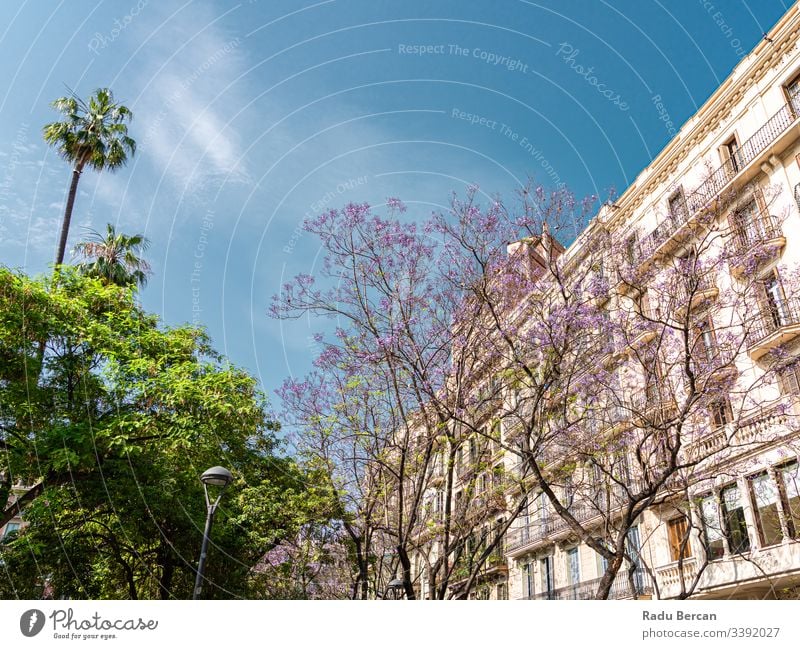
(92, 132)
(118, 417)
(114, 258)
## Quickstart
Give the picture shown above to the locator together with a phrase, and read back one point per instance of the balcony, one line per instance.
(622, 588)
(696, 290)
(489, 503)
(748, 152)
(669, 577)
(773, 327)
(547, 528)
(601, 350)
(762, 426)
(743, 163)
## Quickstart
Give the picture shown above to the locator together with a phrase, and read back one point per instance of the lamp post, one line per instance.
(216, 477)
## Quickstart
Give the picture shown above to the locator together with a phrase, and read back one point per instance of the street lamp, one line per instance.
(216, 477)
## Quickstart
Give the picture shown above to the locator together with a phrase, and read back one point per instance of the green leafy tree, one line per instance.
(114, 258)
(111, 428)
(92, 133)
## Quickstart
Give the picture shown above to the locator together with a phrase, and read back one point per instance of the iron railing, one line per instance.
(776, 316)
(541, 528)
(760, 228)
(622, 588)
(743, 155)
(719, 178)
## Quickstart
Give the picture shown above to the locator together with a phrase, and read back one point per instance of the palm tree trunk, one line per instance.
(73, 190)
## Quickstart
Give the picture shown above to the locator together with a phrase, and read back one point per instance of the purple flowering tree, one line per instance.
(488, 389)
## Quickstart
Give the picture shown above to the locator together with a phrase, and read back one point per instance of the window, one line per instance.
(705, 344)
(11, 528)
(678, 211)
(777, 307)
(602, 564)
(792, 94)
(527, 579)
(678, 535)
(544, 511)
(546, 568)
(729, 152)
(525, 523)
(789, 378)
(712, 528)
(573, 566)
(633, 545)
(483, 592)
(497, 533)
(502, 590)
(631, 248)
(496, 437)
(765, 501)
(473, 450)
(600, 268)
(497, 478)
(749, 225)
(569, 492)
(623, 468)
(790, 483)
(733, 514)
(438, 504)
(598, 485)
(721, 413)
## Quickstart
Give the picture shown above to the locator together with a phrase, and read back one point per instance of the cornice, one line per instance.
(767, 55)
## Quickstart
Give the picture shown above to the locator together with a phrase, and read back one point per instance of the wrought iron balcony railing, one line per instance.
(761, 228)
(776, 317)
(694, 288)
(719, 178)
(542, 528)
(748, 151)
(620, 589)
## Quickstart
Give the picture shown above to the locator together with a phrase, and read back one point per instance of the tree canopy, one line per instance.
(110, 428)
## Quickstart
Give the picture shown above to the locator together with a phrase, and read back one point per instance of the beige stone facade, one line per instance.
(744, 517)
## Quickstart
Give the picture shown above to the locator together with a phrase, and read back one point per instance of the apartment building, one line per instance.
(728, 524)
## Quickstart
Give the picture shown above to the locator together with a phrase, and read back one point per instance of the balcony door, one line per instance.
(548, 583)
(729, 152)
(525, 520)
(777, 307)
(573, 566)
(634, 544)
(793, 95)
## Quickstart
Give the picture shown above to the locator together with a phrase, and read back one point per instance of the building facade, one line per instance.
(732, 529)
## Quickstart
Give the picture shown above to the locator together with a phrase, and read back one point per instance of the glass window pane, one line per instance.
(712, 527)
(574, 566)
(735, 525)
(765, 493)
(546, 566)
(791, 483)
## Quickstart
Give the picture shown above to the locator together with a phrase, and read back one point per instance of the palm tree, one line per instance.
(114, 258)
(93, 134)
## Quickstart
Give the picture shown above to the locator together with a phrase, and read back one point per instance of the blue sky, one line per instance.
(251, 116)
